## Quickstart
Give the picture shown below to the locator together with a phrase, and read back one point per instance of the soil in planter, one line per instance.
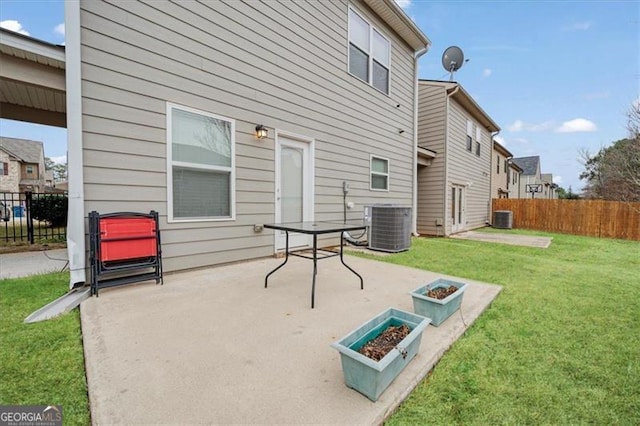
(442, 292)
(377, 348)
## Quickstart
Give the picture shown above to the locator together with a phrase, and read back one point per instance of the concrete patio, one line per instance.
(215, 346)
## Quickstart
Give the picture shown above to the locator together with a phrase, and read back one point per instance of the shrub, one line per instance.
(50, 208)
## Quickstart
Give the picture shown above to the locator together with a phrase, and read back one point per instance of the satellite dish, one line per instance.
(452, 59)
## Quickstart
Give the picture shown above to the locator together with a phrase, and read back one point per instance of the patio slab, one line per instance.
(511, 239)
(215, 346)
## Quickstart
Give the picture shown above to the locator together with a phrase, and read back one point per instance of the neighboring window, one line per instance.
(379, 173)
(200, 164)
(469, 135)
(505, 165)
(369, 53)
(29, 170)
(4, 169)
(478, 139)
(478, 149)
(498, 164)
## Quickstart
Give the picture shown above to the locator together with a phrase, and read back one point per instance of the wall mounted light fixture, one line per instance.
(261, 131)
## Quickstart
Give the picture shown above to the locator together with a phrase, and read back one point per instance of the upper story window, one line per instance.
(379, 173)
(4, 169)
(200, 165)
(369, 53)
(505, 165)
(29, 170)
(497, 164)
(469, 135)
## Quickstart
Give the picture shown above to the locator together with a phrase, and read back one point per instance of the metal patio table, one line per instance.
(314, 229)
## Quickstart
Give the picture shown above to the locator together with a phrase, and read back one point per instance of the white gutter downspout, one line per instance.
(489, 218)
(445, 181)
(414, 210)
(75, 221)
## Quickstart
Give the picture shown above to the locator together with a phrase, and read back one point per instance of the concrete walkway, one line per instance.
(14, 265)
(215, 346)
(511, 239)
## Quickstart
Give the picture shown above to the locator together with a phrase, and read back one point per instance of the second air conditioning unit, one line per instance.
(503, 219)
(389, 227)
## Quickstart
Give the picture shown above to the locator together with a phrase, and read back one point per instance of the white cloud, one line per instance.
(403, 3)
(557, 180)
(519, 125)
(486, 72)
(59, 29)
(500, 140)
(59, 160)
(577, 125)
(578, 26)
(13, 25)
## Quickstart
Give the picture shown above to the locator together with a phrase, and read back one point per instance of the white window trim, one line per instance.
(371, 173)
(370, 51)
(170, 163)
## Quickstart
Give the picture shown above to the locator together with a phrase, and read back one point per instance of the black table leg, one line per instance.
(315, 268)
(349, 267)
(286, 258)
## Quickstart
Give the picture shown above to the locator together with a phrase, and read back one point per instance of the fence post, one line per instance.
(28, 203)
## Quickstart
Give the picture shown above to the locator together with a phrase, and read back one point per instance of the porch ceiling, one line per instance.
(32, 80)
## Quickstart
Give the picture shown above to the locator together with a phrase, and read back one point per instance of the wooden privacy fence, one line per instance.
(595, 218)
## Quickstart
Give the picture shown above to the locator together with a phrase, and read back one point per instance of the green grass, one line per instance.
(560, 344)
(41, 363)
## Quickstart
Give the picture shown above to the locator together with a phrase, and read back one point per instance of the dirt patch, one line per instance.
(442, 292)
(377, 348)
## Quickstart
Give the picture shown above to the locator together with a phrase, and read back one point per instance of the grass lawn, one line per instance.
(41, 363)
(560, 345)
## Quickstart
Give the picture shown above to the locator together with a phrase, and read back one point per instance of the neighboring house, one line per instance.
(165, 100)
(514, 176)
(454, 189)
(21, 165)
(500, 175)
(549, 189)
(530, 177)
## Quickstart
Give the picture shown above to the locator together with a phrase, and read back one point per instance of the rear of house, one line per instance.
(22, 166)
(530, 178)
(454, 191)
(172, 95)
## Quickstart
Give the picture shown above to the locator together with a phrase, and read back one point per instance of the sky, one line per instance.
(557, 76)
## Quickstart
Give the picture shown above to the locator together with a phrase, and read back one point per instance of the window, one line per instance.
(478, 139)
(4, 169)
(29, 170)
(478, 149)
(469, 135)
(379, 174)
(505, 165)
(498, 164)
(369, 53)
(200, 165)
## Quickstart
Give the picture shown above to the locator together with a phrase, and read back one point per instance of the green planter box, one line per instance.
(437, 310)
(370, 377)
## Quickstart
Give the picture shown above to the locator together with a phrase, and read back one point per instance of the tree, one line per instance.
(565, 194)
(613, 173)
(59, 170)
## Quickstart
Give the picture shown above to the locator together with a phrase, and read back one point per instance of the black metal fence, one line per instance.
(33, 218)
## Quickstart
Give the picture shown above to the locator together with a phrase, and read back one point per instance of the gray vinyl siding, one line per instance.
(432, 118)
(466, 169)
(280, 64)
(498, 180)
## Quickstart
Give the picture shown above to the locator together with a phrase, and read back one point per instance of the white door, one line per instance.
(457, 208)
(294, 183)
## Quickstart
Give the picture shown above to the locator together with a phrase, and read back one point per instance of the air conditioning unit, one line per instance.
(503, 219)
(389, 227)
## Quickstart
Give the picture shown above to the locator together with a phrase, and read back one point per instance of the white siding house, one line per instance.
(454, 191)
(168, 96)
